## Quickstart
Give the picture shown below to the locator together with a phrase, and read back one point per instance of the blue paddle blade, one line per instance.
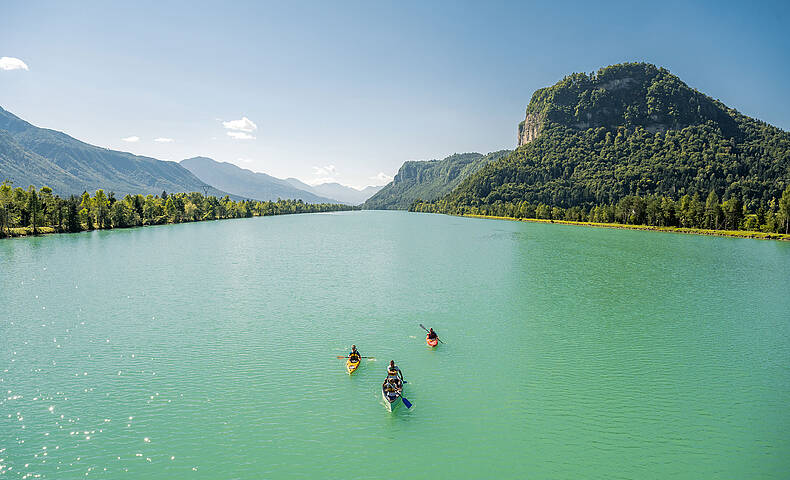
(406, 402)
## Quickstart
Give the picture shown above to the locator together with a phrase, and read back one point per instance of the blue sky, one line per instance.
(350, 90)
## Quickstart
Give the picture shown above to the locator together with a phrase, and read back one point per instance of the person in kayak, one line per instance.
(392, 385)
(432, 335)
(354, 354)
(393, 371)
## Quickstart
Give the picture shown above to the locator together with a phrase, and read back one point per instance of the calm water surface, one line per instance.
(207, 351)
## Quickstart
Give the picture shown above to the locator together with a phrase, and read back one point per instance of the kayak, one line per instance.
(352, 366)
(391, 399)
(432, 342)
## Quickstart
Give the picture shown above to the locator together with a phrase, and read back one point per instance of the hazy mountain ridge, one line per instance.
(346, 194)
(248, 184)
(30, 155)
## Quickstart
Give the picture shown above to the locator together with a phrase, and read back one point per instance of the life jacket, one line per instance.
(354, 356)
(392, 372)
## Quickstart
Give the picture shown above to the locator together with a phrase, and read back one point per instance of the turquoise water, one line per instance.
(208, 350)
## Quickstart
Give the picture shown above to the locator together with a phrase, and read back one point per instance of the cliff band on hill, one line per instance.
(428, 180)
(629, 129)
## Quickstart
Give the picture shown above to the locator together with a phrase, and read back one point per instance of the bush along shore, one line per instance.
(36, 212)
(657, 213)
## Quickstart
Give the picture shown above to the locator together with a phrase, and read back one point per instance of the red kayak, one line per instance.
(432, 342)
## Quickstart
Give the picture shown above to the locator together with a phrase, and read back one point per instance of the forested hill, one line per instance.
(428, 180)
(630, 129)
(30, 155)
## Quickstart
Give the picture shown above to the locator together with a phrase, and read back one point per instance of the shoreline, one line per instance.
(19, 232)
(687, 231)
(23, 232)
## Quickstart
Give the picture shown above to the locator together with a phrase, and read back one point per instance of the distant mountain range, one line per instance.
(339, 192)
(30, 155)
(248, 184)
(429, 180)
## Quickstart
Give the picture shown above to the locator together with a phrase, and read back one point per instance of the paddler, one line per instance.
(354, 354)
(432, 334)
(393, 371)
(389, 388)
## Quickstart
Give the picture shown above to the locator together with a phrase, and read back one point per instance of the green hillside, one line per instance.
(30, 155)
(629, 130)
(428, 180)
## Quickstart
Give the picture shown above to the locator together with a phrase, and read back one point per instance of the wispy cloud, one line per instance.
(241, 135)
(240, 129)
(382, 178)
(132, 139)
(325, 174)
(328, 170)
(244, 125)
(164, 140)
(11, 63)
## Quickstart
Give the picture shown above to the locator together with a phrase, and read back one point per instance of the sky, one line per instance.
(348, 91)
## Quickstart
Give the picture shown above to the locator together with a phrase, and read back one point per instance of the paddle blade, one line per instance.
(423, 327)
(406, 402)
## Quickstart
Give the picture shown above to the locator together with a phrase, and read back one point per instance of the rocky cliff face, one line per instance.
(529, 129)
(431, 179)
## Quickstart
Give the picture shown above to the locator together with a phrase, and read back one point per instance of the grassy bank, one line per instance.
(691, 231)
(25, 231)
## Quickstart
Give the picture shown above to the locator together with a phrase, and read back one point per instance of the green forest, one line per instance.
(689, 211)
(633, 144)
(32, 211)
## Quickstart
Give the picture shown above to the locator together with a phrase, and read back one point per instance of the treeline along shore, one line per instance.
(34, 212)
(689, 214)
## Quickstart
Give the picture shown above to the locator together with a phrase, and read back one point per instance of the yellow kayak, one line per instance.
(352, 366)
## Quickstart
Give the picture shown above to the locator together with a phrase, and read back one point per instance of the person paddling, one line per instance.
(354, 354)
(393, 371)
(432, 338)
(392, 385)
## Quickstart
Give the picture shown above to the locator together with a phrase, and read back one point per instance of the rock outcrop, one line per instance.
(529, 129)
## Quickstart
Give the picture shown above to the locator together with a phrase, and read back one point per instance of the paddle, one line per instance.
(370, 358)
(423, 327)
(405, 402)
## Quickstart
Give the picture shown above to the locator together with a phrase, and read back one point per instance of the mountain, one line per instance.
(428, 180)
(341, 193)
(295, 182)
(630, 129)
(30, 155)
(371, 190)
(246, 183)
(345, 194)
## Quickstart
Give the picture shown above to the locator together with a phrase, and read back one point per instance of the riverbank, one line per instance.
(689, 231)
(21, 209)
(16, 232)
